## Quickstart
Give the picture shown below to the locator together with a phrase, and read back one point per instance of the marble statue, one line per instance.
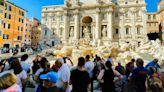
(86, 33)
(71, 32)
(104, 32)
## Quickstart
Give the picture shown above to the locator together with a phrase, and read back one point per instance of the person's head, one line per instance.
(49, 79)
(44, 63)
(108, 65)
(133, 60)
(87, 57)
(59, 62)
(16, 66)
(81, 62)
(7, 79)
(119, 63)
(139, 62)
(98, 59)
(152, 70)
(109, 56)
(155, 60)
(24, 57)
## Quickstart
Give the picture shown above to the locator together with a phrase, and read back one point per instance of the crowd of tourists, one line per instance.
(88, 75)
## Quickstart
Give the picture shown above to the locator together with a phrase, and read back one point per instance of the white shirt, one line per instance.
(20, 76)
(64, 76)
(89, 66)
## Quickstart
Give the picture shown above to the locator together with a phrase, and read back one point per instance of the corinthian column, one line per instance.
(98, 25)
(110, 27)
(66, 33)
(133, 31)
(76, 26)
(58, 25)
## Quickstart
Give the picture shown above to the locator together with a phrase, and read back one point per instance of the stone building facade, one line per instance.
(152, 23)
(96, 21)
(161, 19)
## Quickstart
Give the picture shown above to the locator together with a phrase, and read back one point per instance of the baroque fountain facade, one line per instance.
(103, 27)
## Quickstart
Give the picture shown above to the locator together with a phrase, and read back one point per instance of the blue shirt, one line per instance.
(139, 76)
(152, 64)
(25, 66)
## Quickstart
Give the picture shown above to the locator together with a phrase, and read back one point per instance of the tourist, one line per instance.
(120, 68)
(107, 77)
(1, 67)
(129, 67)
(64, 75)
(139, 76)
(153, 64)
(36, 61)
(67, 58)
(154, 81)
(6, 64)
(25, 65)
(19, 72)
(49, 82)
(89, 66)
(43, 64)
(110, 59)
(8, 82)
(80, 79)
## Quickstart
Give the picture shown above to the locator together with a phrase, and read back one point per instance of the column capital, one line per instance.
(76, 12)
(98, 10)
(65, 12)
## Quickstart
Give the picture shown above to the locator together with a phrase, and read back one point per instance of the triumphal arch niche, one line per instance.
(89, 22)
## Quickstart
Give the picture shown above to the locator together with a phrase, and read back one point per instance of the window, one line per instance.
(7, 16)
(21, 13)
(8, 7)
(21, 28)
(5, 36)
(126, 2)
(1, 21)
(117, 31)
(149, 17)
(61, 17)
(0, 32)
(45, 33)
(127, 31)
(138, 30)
(154, 17)
(19, 37)
(103, 16)
(1, 11)
(149, 24)
(137, 2)
(21, 20)
(6, 26)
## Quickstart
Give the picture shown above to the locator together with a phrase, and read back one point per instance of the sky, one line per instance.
(34, 7)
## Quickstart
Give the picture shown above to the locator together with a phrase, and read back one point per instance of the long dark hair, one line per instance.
(16, 66)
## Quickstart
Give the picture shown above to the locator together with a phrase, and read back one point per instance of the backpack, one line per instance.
(155, 83)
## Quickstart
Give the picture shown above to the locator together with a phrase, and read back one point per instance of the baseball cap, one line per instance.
(50, 76)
